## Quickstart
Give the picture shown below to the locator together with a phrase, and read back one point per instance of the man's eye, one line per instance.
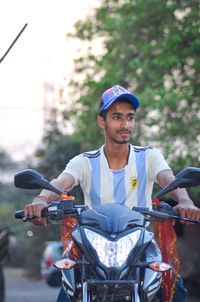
(116, 117)
(131, 118)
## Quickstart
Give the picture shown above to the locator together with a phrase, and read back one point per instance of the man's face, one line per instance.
(119, 123)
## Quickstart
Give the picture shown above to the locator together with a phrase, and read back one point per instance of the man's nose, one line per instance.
(124, 124)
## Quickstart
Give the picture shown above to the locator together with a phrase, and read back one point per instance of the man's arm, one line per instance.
(185, 205)
(63, 182)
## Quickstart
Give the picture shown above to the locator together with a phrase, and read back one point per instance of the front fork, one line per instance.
(85, 292)
(135, 294)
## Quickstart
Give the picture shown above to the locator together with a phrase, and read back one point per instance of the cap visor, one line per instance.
(127, 96)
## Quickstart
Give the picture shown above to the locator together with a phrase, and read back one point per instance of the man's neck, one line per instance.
(117, 155)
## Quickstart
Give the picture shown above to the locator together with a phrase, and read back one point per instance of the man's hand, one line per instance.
(35, 208)
(188, 210)
(63, 182)
(185, 205)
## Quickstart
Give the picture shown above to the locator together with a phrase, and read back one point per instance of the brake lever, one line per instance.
(26, 218)
(186, 219)
(55, 215)
(160, 216)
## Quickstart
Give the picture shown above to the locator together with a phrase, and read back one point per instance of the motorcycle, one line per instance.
(120, 259)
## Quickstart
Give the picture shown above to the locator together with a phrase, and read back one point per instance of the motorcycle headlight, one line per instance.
(112, 253)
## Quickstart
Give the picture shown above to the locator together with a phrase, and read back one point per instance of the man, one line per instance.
(118, 172)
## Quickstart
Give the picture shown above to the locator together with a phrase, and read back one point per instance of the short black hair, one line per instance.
(119, 100)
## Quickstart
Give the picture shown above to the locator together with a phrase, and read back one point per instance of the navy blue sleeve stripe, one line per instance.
(141, 149)
(92, 155)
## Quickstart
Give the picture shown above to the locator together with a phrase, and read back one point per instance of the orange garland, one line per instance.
(167, 244)
(66, 233)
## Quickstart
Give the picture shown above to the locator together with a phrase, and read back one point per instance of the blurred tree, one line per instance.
(11, 198)
(6, 162)
(7, 167)
(56, 148)
(56, 151)
(151, 48)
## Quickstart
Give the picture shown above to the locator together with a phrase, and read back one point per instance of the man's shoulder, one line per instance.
(92, 154)
(142, 149)
(150, 151)
(85, 156)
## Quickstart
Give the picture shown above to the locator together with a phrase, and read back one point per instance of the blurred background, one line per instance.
(51, 83)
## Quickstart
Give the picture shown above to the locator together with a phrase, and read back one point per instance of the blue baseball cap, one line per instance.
(114, 93)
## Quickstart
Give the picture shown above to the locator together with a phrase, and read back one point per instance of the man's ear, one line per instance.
(101, 122)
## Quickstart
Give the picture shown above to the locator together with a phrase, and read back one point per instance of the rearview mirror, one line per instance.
(31, 179)
(188, 177)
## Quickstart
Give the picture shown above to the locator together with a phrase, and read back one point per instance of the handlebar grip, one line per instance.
(19, 214)
(166, 208)
(175, 212)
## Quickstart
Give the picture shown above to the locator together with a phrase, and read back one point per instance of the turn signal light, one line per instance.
(64, 264)
(160, 266)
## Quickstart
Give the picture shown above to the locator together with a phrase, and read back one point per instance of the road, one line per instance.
(19, 288)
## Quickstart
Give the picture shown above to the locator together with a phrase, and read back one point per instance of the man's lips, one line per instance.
(124, 132)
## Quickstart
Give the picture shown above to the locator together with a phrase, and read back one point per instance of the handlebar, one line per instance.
(20, 215)
(163, 212)
(58, 210)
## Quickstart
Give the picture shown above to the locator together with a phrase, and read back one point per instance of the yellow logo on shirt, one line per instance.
(133, 182)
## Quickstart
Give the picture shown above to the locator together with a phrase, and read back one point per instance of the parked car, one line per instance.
(53, 252)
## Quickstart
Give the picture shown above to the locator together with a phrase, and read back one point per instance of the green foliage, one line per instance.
(8, 199)
(6, 219)
(151, 48)
(6, 163)
(55, 154)
(56, 151)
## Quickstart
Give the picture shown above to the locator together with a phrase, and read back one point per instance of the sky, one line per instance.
(42, 53)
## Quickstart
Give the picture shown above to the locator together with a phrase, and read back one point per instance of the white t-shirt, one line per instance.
(131, 186)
